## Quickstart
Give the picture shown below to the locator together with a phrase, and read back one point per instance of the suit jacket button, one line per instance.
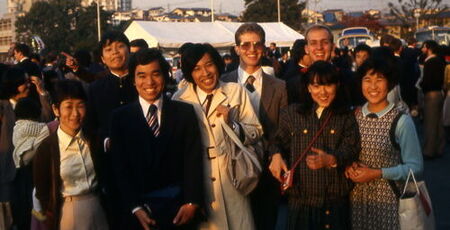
(213, 178)
(213, 125)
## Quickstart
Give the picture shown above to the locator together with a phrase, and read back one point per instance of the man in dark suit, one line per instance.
(22, 54)
(268, 95)
(156, 150)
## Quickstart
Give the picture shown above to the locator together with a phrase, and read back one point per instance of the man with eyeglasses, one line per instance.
(268, 95)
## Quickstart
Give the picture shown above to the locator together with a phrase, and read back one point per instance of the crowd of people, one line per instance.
(124, 143)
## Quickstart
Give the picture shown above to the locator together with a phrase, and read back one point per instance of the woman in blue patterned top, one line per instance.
(389, 148)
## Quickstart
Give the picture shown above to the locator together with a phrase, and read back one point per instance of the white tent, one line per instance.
(219, 34)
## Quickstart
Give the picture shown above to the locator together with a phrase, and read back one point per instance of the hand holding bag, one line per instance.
(415, 210)
(243, 165)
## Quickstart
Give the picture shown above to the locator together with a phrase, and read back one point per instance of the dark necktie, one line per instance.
(249, 84)
(372, 115)
(152, 120)
(207, 103)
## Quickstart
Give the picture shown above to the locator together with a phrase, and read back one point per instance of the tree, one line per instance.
(266, 11)
(371, 23)
(63, 25)
(404, 9)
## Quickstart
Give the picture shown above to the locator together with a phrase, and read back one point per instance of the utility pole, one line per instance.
(278, 7)
(98, 21)
(212, 10)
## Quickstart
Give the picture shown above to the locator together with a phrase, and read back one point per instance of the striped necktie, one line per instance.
(152, 120)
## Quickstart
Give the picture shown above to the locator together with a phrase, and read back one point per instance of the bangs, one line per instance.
(324, 79)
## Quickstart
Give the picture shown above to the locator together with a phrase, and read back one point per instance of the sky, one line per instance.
(236, 6)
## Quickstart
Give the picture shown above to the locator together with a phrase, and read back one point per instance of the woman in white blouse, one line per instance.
(64, 167)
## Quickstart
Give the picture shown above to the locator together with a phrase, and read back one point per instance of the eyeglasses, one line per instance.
(248, 45)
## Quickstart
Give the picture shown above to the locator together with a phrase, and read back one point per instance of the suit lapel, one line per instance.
(231, 76)
(266, 94)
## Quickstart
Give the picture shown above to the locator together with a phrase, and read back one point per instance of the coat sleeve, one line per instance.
(248, 120)
(121, 164)
(42, 175)
(281, 140)
(193, 165)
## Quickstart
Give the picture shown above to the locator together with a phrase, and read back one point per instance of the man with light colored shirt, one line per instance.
(156, 152)
(268, 95)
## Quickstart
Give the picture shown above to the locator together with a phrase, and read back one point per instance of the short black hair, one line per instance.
(396, 44)
(298, 50)
(12, 78)
(380, 65)
(27, 109)
(184, 47)
(362, 47)
(110, 37)
(146, 56)
(193, 55)
(23, 48)
(431, 45)
(68, 89)
(141, 43)
(250, 27)
(386, 39)
(83, 57)
(323, 73)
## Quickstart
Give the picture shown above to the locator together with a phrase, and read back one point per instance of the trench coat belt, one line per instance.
(212, 152)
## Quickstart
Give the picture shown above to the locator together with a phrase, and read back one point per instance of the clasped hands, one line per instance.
(320, 159)
(361, 173)
(184, 215)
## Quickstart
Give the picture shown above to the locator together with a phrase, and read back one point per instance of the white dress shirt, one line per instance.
(77, 169)
(255, 97)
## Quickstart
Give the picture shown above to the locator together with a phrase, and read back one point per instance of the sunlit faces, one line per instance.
(71, 113)
(319, 46)
(115, 55)
(206, 74)
(323, 95)
(360, 57)
(375, 88)
(149, 81)
(250, 50)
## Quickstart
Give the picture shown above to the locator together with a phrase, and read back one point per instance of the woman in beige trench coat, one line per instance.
(226, 208)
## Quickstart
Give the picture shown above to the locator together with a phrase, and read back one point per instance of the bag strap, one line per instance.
(232, 134)
(394, 143)
(302, 155)
(238, 142)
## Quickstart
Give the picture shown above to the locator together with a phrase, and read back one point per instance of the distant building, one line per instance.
(333, 16)
(155, 11)
(185, 12)
(110, 5)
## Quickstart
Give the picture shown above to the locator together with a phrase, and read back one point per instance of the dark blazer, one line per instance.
(31, 68)
(433, 74)
(105, 95)
(47, 178)
(264, 199)
(144, 163)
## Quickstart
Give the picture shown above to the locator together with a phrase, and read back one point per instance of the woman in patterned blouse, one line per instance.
(389, 148)
(318, 198)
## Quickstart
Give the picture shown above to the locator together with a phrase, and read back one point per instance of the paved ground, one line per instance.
(437, 178)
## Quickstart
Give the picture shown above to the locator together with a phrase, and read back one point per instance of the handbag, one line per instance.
(288, 177)
(415, 210)
(243, 165)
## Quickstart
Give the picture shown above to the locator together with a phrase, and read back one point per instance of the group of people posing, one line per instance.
(123, 153)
